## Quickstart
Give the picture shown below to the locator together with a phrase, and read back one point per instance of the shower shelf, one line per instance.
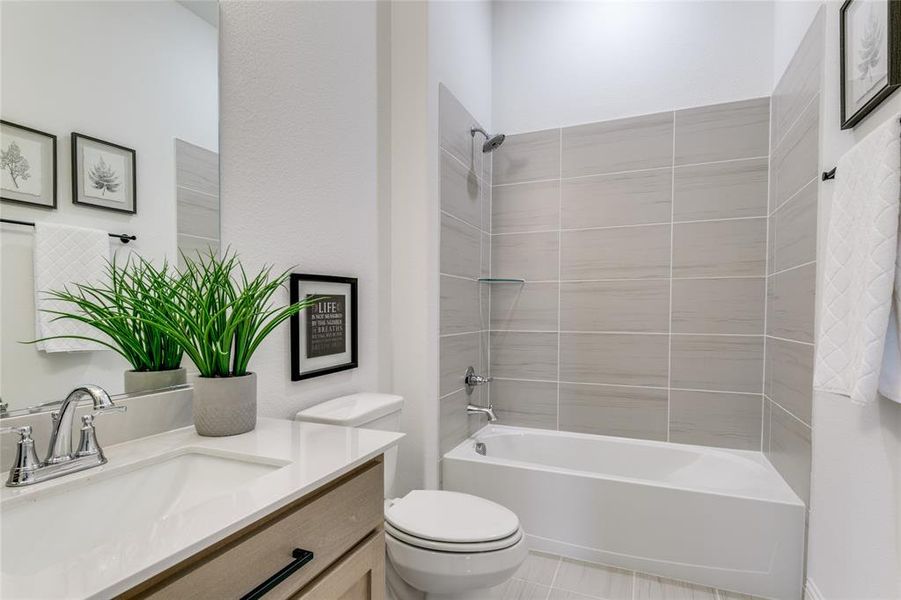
(500, 280)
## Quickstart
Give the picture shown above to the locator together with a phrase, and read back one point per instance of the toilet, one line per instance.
(440, 544)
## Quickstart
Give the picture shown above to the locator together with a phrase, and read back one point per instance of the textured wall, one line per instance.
(791, 278)
(465, 246)
(643, 245)
(299, 167)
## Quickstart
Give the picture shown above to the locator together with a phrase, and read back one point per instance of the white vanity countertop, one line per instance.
(306, 455)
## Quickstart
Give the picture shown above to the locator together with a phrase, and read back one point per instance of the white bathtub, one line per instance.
(723, 518)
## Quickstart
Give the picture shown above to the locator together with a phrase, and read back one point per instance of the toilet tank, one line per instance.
(366, 410)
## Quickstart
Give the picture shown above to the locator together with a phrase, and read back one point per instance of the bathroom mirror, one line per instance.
(110, 122)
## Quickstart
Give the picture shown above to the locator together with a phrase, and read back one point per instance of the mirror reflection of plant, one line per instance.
(125, 307)
(220, 315)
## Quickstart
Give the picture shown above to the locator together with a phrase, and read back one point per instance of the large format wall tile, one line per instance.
(619, 199)
(723, 131)
(789, 376)
(795, 160)
(454, 123)
(460, 248)
(530, 256)
(455, 354)
(790, 312)
(527, 157)
(790, 451)
(461, 195)
(453, 420)
(717, 363)
(631, 144)
(721, 190)
(524, 207)
(617, 253)
(795, 230)
(715, 419)
(517, 355)
(525, 403)
(801, 81)
(731, 305)
(613, 358)
(526, 307)
(633, 412)
(459, 305)
(615, 306)
(731, 248)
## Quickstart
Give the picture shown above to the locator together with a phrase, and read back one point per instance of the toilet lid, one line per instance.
(445, 516)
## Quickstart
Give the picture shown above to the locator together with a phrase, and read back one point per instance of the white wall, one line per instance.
(300, 169)
(149, 78)
(565, 63)
(855, 521)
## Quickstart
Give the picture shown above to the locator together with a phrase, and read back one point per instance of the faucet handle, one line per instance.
(26, 462)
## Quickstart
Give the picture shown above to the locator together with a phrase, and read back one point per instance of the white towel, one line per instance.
(63, 256)
(859, 273)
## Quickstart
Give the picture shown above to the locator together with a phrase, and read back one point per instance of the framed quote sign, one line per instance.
(323, 335)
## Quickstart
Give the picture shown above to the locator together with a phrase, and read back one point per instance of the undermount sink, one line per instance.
(64, 519)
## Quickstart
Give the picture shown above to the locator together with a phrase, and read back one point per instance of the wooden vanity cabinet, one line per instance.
(341, 524)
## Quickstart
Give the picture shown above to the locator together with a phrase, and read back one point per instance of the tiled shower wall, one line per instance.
(643, 245)
(465, 191)
(792, 268)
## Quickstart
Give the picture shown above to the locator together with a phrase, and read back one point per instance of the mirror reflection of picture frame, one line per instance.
(103, 175)
(323, 336)
(870, 41)
(28, 163)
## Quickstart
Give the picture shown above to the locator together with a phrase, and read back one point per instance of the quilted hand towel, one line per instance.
(64, 256)
(859, 266)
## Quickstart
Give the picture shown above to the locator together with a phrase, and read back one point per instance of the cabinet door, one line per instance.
(360, 575)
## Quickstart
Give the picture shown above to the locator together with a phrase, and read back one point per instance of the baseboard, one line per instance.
(812, 592)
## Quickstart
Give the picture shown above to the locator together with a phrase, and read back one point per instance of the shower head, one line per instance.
(492, 142)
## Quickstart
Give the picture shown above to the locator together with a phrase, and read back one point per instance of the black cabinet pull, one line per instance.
(301, 557)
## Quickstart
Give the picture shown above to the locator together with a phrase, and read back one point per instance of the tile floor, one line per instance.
(548, 577)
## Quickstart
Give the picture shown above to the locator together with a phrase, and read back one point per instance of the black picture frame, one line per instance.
(295, 280)
(893, 81)
(76, 175)
(54, 184)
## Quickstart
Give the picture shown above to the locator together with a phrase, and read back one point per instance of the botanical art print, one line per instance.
(27, 166)
(871, 53)
(103, 174)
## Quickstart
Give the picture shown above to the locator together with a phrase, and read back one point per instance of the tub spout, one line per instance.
(488, 411)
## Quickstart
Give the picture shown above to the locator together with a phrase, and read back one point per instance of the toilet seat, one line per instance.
(451, 522)
(452, 547)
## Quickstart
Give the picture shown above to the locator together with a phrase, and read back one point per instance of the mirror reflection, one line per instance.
(109, 147)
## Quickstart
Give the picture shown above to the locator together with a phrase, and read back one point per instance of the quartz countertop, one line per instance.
(307, 455)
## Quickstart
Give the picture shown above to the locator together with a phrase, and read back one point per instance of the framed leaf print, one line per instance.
(870, 33)
(103, 175)
(28, 164)
(324, 335)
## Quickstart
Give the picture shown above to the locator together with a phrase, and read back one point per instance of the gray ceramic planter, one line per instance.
(145, 381)
(225, 405)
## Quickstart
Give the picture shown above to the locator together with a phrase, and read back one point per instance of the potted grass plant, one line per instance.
(121, 309)
(220, 315)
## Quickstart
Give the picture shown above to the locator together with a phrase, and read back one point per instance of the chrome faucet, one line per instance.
(472, 409)
(61, 460)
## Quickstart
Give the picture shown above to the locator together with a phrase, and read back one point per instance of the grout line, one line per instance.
(672, 230)
(630, 386)
(808, 263)
(814, 181)
(463, 277)
(464, 221)
(445, 335)
(615, 332)
(556, 571)
(673, 165)
(559, 267)
(782, 339)
(790, 413)
(814, 98)
(468, 168)
(457, 391)
(624, 279)
(634, 584)
(766, 283)
(562, 229)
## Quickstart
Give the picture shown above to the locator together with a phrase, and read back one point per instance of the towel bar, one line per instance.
(122, 237)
